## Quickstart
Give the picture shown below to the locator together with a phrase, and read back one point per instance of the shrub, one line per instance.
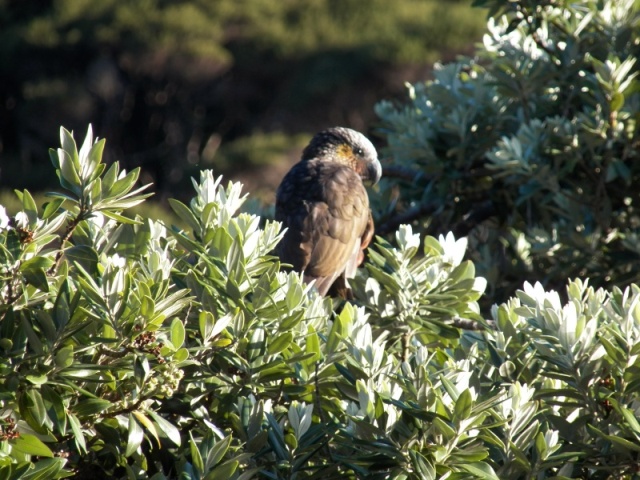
(135, 351)
(132, 351)
(530, 147)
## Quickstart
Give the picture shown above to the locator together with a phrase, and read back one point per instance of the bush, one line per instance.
(130, 351)
(134, 351)
(530, 148)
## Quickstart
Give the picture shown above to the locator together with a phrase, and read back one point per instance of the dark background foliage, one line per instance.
(178, 86)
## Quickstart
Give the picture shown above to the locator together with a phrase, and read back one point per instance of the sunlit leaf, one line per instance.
(31, 445)
(135, 436)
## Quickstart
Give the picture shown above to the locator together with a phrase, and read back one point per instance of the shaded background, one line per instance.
(234, 85)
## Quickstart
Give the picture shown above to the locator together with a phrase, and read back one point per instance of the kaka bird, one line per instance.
(323, 204)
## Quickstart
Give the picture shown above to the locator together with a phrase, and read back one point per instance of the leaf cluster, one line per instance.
(134, 350)
(530, 147)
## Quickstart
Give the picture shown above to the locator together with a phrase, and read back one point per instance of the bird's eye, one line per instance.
(359, 152)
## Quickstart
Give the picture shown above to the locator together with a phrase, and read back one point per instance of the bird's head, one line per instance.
(348, 147)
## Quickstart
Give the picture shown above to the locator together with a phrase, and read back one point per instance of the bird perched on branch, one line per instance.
(323, 203)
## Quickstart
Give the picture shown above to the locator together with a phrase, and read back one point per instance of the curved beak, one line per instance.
(374, 172)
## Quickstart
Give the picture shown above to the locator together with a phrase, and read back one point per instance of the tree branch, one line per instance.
(467, 324)
(403, 173)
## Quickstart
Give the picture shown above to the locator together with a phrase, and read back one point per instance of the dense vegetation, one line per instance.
(530, 148)
(132, 349)
(177, 86)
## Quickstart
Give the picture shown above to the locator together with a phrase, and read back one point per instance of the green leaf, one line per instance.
(37, 379)
(422, 466)
(95, 155)
(15, 471)
(196, 456)
(91, 406)
(123, 185)
(53, 156)
(224, 471)
(119, 218)
(141, 370)
(185, 215)
(181, 355)
(62, 196)
(30, 208)
(480, 470)
(462, 409)
(33, 410)
(280, 343)
(614, 352)
(46, 326)
(541, 446)
(631, 419)
(34, 339)
(69, 178)
(276, 438)
(148, 424)
(617, 101)
(69, 144)
(34, 271)
(339, 328)
(37, 278)
(217, 452)
(31, 445)
(64, 357)
(166, 427)
(109, 177)
(135, 435)
(312, 348)
(46, 469)
(177, 333)
(84, 255)
(61, 312)
(78, 435)
(619, 441)
(256, 347)
(507, 369)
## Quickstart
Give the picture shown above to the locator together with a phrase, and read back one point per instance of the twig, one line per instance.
(403, 173)
(467, 324)
(134, 406)
(12, 296)
(541, 44)
(405, 346)
(67, 236)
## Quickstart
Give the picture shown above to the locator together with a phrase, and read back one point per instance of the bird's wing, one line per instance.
(326, 211)
(357, 256)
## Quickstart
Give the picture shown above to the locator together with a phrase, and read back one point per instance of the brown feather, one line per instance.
(324, 206)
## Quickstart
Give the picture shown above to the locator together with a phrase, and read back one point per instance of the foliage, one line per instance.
(164, 79)
(531, 147)
(259, 150)
(133, 351)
